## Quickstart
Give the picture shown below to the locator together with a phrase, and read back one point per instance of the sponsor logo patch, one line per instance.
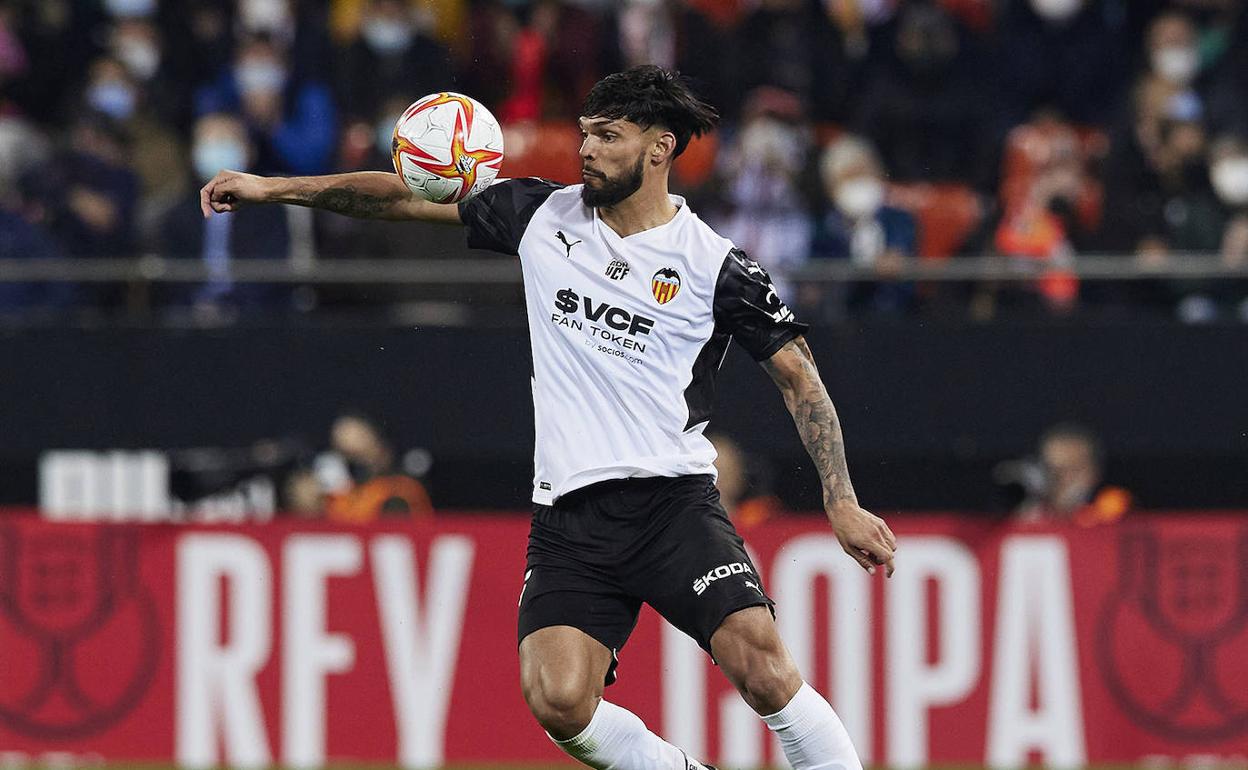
(719, 573)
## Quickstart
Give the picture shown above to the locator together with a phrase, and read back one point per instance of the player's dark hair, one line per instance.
(649, 95)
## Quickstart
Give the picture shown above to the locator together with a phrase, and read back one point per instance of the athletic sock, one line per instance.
(617, 739)
(812, 735)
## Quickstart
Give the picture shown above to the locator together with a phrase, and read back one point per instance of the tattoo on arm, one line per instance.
(816, 420)
(349, 201)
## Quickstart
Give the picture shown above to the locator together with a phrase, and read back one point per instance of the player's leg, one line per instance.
(699, 576)
(573, 618)
(562, 672)
(748, 649)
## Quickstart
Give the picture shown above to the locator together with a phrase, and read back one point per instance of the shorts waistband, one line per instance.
(630, 484)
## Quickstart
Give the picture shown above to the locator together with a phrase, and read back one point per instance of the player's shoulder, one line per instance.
(713, 249)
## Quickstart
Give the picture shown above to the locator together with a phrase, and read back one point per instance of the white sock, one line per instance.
(617, 739)
(812, 735)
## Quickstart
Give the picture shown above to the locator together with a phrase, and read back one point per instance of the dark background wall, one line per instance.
(927, 409)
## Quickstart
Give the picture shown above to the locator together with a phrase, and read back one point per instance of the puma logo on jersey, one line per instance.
(721, 572)
(564, 240)
(568, 301)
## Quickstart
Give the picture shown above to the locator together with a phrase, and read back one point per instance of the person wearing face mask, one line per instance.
(1064, 54)
(924, 108)
(389, 55)
(1228, 172)
(292, 119)
(857, 224)
(373, 486)
(155, 150)
(764, 208)
(221, 142)
(139, 45)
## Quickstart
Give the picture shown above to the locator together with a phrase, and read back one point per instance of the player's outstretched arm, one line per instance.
(863, 535)
(364, 194)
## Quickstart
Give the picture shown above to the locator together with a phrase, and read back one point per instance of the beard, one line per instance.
(614, 190)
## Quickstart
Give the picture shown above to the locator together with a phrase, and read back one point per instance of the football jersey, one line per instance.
(627, 333)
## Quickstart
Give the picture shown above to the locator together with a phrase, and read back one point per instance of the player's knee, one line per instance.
(767, 680)
(754, 659)
(562, 704)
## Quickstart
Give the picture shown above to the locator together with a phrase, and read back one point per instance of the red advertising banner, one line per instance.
(298, 644)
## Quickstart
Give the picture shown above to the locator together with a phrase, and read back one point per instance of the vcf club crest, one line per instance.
(665, 284)
(79, 633)
(1172, 640)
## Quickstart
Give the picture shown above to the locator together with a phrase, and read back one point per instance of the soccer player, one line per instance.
(632, 301)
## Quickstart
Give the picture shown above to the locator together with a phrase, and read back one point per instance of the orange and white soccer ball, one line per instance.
(447, 147)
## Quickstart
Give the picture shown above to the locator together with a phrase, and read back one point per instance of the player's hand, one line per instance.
(230, 189)
(864, 536)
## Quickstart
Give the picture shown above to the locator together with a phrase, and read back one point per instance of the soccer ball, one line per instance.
(447, 147)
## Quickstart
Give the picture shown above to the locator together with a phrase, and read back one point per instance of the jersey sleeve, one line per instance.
(746, 306)
(497, 216)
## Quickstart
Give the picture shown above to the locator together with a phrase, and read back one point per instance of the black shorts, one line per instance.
(599, 552)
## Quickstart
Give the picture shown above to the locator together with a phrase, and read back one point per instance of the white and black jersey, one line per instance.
(627, 332)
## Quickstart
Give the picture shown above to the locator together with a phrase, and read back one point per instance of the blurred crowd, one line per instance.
(874, 131)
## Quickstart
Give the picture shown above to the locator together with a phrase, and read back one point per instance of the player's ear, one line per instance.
(664, 147)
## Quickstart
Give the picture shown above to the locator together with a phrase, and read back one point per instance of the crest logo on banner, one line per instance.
(1169, 629)
(68, 596)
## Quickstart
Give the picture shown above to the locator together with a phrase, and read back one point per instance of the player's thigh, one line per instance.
(698, 572)
(562, 668)
(569, 582)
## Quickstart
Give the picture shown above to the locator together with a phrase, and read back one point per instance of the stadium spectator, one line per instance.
(291, 119)
(857, 224)
(928, 106)
(221, 141)
(793, 45)
(155, 152)
(1160, 202)
(1049, 210)
(373, 487)
(88, 190)
(743, 488)
(391, 55)
(21, 233)
(140, 46)
(1062, 54)
(1064, 484)
(764, 208)
(1228, 72)
(676, 35)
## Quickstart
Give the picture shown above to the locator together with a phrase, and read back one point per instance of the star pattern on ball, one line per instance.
(463, 162)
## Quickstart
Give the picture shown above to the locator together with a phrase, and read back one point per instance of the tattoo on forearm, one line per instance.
(350, 201)
(818, 426)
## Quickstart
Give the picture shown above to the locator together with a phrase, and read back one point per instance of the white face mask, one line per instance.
(113, 98)
(1177, 64)
(213, 155)
(860, 197)
(1230, 180)
(260, 76)
(386, 36)
(142, 59)
(1056, 10)
(271, 16)
(130, 9)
